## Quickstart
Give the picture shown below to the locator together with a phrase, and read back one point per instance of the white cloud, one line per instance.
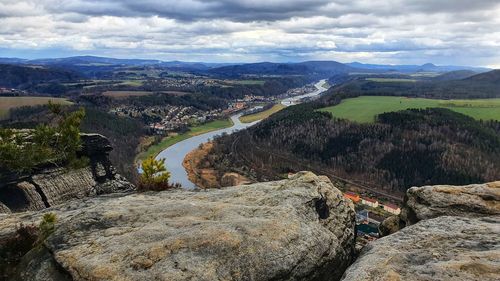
(393, 31)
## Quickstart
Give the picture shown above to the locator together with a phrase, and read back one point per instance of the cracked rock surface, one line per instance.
(443, 248)
(301, 228)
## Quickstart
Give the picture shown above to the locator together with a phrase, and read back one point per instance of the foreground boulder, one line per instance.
(51, 186)
(426, 202)
(296, 229)
(443, 233)
(444, 248)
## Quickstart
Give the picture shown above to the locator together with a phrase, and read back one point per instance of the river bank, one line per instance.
(166, 142)
(175, 154)
(208, 177)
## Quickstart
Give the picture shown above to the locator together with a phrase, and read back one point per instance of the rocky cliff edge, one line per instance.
(52, 186)
(296, 229)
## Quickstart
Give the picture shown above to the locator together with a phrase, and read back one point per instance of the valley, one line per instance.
(249, 140)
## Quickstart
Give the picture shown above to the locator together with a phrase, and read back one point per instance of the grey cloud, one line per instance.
(390, 30)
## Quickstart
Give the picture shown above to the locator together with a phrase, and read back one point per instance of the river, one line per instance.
(296, 99)
(176, 153)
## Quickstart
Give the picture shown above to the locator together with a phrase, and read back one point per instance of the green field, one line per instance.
(6, 103)
(126, 94)
(391, 80)
(261, 115)
(364, 109)
(194, 131)
(134, 83)
(247, 82)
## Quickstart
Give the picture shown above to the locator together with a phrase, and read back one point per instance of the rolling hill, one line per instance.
(24, 75)
(492, 77)
(311, 68)
(428, 67)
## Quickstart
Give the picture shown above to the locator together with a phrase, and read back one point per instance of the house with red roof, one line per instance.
(369, 202)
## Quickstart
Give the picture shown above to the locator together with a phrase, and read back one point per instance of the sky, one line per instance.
(444, 32)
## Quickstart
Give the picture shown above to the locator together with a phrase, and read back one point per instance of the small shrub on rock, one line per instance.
(154, 175)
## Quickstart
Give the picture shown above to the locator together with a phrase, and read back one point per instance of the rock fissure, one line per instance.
(39, 190)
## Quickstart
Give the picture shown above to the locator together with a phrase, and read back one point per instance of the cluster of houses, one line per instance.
(10, 92)
(167, 118)
(300, 91)
(183, 83)
(357, 199)
(249, 101)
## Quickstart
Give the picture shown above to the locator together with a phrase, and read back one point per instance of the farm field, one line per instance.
(261, 115)
(389, 80)
(247, 82)
(194, 131)
(6, 103)
(364, 109)
(125, 94)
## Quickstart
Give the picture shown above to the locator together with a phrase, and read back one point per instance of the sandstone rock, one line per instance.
(53, 186)
(3, 208)
(390, 225)
(296, 229)
(474, 200)
(426, 202)
(95, 144)
(443, 248)
(233, 179)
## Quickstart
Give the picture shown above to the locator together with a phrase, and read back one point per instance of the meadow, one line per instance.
(126, 94)
(364, 109)
(194, 131)
(391, 80)
(6, 103)
(261, 115)
(247, 82)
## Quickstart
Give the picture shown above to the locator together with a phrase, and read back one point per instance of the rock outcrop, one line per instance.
(52, 185)
(443, 248)
(232, 179)
(428, 202)
(443, 233)
(301, 228)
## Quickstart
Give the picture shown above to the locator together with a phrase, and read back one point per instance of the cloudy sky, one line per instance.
(459, 32)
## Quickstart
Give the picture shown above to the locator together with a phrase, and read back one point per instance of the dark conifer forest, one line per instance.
(401, 149)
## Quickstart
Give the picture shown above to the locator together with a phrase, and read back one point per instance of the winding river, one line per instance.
(176, 153)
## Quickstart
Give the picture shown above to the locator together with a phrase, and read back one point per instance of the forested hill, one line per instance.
(310, 68)
(21, 75)
(402, 149)
(484, 85)
(492, 77)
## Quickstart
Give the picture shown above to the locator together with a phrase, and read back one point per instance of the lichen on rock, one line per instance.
(264, 231)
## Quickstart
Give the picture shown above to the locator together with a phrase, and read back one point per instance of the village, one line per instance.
(369, 214)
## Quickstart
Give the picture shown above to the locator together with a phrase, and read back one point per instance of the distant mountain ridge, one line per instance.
(416, 68)
(322, 68)
(18, 75)
(82, 60)
(281, 68)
